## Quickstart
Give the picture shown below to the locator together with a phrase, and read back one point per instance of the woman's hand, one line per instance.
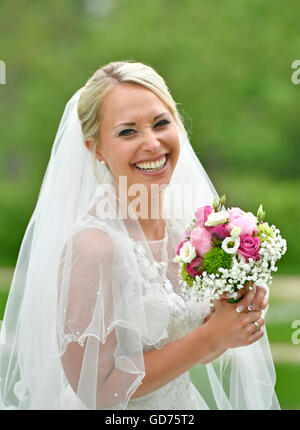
(254, 298)
(231, 327)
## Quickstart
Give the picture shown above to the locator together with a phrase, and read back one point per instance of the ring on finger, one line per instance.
(251, 307)
(256, 325)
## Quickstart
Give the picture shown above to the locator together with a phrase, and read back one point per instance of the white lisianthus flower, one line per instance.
(235, 232)
(187, 252)
(216, 218)
(238, 260)
(230, 245)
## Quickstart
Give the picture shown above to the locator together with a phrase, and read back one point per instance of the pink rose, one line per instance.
(249, 247)
(186, 233)
(247, 222)
(193, 268)
(201, 215)
(220, 230)
(201, 240)
(235, 213)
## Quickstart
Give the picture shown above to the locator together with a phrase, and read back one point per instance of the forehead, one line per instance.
(129, 102)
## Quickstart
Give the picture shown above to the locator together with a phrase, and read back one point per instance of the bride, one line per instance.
(95, 317)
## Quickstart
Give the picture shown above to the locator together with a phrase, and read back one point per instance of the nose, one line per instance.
(150, 141)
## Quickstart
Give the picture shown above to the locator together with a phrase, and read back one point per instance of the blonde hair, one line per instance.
(103, 80)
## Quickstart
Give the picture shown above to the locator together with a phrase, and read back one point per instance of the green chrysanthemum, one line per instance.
(264, 229)
(216, 258)
(186, 276)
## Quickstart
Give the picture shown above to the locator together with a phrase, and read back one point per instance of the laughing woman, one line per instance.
(95, 316)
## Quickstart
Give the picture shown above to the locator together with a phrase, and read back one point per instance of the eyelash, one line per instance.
(163, 120)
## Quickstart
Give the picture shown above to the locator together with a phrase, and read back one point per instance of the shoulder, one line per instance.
(92, 242)
(88, 242)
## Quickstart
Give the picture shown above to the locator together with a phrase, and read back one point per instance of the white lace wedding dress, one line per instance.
(185, 315)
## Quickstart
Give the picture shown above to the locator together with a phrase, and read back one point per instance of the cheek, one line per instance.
(175, 145)
(121, 162)
(119, 156)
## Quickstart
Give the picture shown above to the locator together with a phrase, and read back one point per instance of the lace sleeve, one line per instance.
(99, 352)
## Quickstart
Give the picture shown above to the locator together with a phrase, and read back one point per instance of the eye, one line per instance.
(125, 132)
(162, 122)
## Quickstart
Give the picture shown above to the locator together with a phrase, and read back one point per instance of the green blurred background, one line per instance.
(228, 66)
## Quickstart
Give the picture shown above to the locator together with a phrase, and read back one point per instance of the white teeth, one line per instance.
(152, 165)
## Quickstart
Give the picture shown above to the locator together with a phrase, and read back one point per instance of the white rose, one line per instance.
(187, 252)
(216, 218)
(230, 245)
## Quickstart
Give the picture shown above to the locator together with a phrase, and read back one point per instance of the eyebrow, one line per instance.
(133, 123)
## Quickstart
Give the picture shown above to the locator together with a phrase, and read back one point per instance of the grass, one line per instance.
(280, 317)
(279, 332)
(287, 384)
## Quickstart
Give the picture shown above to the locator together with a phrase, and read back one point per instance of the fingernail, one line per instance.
(239, 308)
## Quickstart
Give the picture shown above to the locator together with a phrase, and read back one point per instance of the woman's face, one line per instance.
(138, 135)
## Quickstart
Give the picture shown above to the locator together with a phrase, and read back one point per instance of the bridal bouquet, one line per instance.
(222, 250)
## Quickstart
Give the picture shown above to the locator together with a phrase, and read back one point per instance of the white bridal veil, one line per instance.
(75, 319)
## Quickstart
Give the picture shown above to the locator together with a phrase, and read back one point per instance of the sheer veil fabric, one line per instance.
(76, 319)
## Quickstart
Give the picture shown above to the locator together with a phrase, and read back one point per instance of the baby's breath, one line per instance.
(230, 280)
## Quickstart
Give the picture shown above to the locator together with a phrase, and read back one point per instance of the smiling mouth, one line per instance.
(152, 166)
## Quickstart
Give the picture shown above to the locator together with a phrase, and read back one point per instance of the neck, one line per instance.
(153, 225)
(147, 209)
(154, 229)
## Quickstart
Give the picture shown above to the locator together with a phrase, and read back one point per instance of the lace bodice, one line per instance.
(184, 316)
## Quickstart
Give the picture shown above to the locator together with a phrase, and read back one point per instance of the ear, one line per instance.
(90, 146)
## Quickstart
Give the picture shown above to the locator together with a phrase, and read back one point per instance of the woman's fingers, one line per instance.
(265, 303)
(255, 329)
(255, 326)
(243, 291)
(254, 300)
(250, 317)
(256, 336)
(260, 300)
(247, 300)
